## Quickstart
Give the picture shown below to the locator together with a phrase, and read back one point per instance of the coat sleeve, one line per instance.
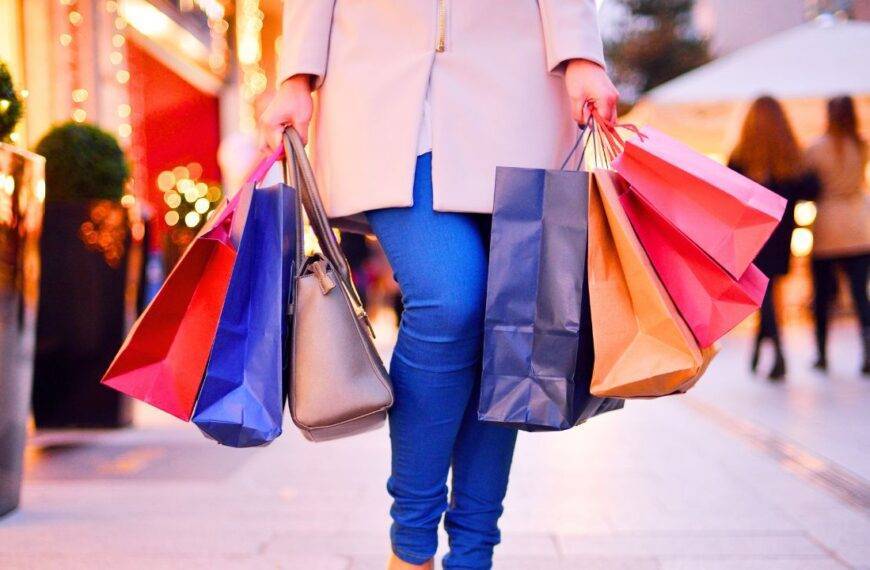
(305, 39)
(571, 32)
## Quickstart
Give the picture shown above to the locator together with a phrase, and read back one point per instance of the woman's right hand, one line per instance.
(291, 107)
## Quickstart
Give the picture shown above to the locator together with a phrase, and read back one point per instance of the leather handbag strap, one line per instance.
(299, 174)
(293, 178)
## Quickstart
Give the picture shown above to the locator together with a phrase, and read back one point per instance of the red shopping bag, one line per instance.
(163, 359)
(711, 301)
(725, 214)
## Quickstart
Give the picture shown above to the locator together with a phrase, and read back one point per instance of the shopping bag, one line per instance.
(242, 396)
(537, 346)
(727, 215)
(164, 355)
(711, 301)
(643, 348)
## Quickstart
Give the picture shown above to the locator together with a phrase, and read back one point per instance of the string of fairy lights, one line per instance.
(249, 28)
(70, 25)
(73, 31)
(218, 27)
(118, 61)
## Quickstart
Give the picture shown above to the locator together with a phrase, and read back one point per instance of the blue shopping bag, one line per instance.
(241, 401)
(537, 344)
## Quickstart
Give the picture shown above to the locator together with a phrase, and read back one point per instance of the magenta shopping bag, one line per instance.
(727, 215)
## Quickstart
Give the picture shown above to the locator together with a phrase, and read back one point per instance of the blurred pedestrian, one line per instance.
(418, 102)
(356, 250)
(842, 227)
(768, 152)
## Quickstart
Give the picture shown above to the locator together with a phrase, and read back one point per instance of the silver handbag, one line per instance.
(338, 384)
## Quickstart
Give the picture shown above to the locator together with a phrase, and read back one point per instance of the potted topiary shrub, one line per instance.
(11, 107)
(20, 217)
(85, 244)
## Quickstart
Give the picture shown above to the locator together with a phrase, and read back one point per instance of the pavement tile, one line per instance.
(528, 544)
(531, 563)
(692, 519)
(753, 564)
(658, 484)
(820, 412)
(692, 544)
(612, 563)
(126, 562)
(370, 562)
(526, 519)
(88, 539)
(525, 562)
(345, 544)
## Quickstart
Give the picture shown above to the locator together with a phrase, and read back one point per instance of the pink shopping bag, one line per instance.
(711, 301)
(727, 215)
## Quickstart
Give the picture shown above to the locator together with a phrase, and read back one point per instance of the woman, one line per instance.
(768, 153)
(417, 102)
(842, 228)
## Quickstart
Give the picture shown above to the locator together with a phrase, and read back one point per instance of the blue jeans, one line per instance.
(440, 262)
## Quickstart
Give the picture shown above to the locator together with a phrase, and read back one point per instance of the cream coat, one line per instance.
(842, 225)
(497, 96)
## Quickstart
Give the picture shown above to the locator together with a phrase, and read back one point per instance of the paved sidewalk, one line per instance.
(739, 474)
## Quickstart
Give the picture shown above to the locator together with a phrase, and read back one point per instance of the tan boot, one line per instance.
(397, 563)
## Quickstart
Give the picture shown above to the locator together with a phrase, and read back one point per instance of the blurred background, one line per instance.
(160, 99)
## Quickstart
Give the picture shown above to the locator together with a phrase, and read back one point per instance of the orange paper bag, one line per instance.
(643, 348)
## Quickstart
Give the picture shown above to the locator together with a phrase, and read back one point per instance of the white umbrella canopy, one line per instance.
(802, 67)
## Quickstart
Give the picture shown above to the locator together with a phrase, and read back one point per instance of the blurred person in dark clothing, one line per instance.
(768, 152)
(842, 227)
(356, 249)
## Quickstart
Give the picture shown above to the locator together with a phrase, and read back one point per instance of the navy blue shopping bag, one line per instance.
(241, 401)
(538, 352)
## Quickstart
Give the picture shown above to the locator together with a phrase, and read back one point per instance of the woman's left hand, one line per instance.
(589, 87)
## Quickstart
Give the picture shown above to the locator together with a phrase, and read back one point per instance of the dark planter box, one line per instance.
(85, 251)
(21, 179)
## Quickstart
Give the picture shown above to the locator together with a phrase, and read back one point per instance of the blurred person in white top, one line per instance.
(842, 226)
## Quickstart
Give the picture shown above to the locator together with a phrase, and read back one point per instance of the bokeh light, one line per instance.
(801, 242)
(805, 213)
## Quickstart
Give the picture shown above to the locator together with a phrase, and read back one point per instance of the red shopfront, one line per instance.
(175, 124)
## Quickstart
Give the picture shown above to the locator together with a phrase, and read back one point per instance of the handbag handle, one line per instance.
(299, 174)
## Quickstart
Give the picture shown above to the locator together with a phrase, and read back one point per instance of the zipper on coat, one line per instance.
(440, 44)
